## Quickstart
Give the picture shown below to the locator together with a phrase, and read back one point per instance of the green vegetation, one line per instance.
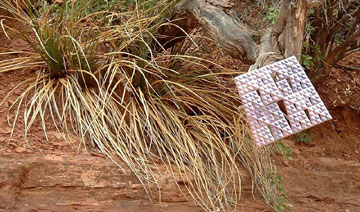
(271, 14)
(303, 137)
(280, 204)
(332, 33)
(284, 150)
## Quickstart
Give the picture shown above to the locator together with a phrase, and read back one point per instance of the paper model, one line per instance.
(279, 100)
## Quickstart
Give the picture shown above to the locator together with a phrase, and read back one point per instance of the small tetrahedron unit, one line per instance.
(279, 100)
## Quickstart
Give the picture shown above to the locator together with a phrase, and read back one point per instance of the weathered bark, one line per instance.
(295, 29)
(283, 40)
(229, 33)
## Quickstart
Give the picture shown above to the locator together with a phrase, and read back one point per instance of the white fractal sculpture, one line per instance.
(280, 100)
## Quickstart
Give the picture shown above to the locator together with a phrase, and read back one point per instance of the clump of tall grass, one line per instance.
(100, 78)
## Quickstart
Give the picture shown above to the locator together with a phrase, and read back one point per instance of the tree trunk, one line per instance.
(259, 48)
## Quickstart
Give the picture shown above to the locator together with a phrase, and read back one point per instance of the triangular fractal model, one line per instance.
(279, 100)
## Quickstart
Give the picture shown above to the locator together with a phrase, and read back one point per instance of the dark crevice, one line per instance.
(307, 113)
(287, 119)
(270, 129)
(282, 107)
(289, 82)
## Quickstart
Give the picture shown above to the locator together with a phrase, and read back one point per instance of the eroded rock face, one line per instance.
(74, 183)
(323, 184)
(69, 182)
(78, 182)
